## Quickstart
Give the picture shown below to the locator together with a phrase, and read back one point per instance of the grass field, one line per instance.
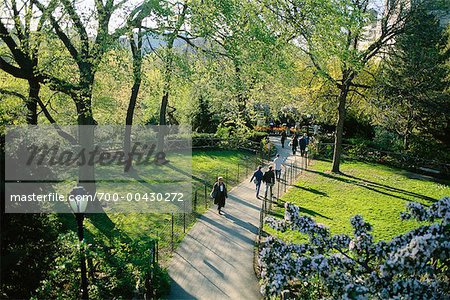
(376, 192)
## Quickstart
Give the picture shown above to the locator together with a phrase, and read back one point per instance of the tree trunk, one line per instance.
(162, 122)
(33, 94)
(406, 141)
(86, 122)
(129, 119)
(167, 78)
(136, 49)
(339, 128)
(165, 98)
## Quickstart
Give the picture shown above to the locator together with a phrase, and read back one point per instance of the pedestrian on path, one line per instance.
(269, 179)
(257, 178)
(303, 142)
(283, 138)
(277, 163)
(219, 194)
(294, 143)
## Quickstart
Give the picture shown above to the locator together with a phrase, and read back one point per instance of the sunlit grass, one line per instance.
(378, 193)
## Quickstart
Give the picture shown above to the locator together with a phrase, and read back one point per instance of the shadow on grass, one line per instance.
(313, 213)
(302, 210)
(314, 191)
(100, 220)
(107, 227)
(195, 178)
(373, 186)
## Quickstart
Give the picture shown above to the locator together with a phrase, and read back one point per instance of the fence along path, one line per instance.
(215, 258)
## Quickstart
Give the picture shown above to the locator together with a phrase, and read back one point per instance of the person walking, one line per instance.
(219, 193)
(257, 178)
(294, 143)
(269, 179)
(277, 163)
(303, 141)
(283, 138)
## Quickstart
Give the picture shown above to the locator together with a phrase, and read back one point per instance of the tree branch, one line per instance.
(13, 93)
(19, 57)
(79, 27)
(12, 70)
(62, 36)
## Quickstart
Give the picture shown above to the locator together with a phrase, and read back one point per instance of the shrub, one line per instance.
(386, 140)
(116, 270)
(28, 246)
(414, 265)
(256, 136)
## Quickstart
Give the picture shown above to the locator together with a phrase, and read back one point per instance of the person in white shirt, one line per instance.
(277, 163)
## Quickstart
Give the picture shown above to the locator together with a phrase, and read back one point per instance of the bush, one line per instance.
(256, 136)
(426, 147)
(116, 269)
(355, 127)
(386, 140)
(414, 265)
(28, 245)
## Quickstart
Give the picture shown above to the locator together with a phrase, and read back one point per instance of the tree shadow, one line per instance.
(373, 186)
(303, 210)
(243, 202)
(107, 227)
(246, 225)
(195, 178)
(311, 190)
(391, 189)
(226, 229)
(313, 213)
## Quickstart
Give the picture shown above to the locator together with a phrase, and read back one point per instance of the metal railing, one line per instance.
(291, 174)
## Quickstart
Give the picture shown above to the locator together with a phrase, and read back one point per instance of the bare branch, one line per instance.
(62, 36)
(13, 93)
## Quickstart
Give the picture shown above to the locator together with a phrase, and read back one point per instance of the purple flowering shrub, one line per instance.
(415, 265)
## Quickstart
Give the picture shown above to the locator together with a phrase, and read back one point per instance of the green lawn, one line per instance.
(376, 192)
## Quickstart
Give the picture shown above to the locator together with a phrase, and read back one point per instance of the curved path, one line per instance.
(215, 258)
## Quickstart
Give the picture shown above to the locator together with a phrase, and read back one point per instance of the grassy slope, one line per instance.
(376, 192)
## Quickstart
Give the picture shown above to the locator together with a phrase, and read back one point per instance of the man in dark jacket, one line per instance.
(269, 179)
(294, 143)
(257, 177)
(303, 142)
(283, 138)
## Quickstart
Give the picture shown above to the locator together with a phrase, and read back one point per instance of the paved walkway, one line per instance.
(215, 259)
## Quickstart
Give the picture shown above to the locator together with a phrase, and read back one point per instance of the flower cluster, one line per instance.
(438, 210)
(414, 265)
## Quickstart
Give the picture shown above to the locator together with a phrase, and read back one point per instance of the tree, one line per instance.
(86, 52)
(410, 266)
(202, 120)
(21, 61)
(136, 34)
(237, 36)
(413, 80)
(334, 35)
